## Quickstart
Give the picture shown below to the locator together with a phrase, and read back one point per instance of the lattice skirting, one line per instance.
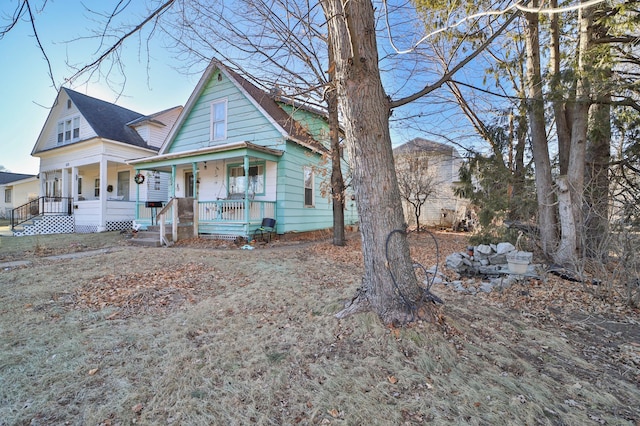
(49, 225)
(66, 225)
(120, 226)
(86, 229)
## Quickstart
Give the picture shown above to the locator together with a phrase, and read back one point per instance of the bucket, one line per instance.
(518, 266)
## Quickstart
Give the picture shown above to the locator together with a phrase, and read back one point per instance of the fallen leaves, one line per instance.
(140, 292)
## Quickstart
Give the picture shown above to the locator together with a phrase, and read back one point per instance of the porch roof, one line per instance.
(216, 152)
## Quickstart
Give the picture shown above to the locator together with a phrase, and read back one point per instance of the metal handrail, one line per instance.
(61, 206)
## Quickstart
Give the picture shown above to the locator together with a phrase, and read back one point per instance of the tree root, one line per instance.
(425, 310)
(358, 304)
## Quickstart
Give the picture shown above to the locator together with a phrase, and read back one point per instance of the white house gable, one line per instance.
(64, 125)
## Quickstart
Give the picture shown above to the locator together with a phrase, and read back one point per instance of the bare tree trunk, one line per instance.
(580, 122)
(563, 130)
(598, 155)
(565, 253)
(390, 285)
(539, 143)
(597, 159)
(337, 180)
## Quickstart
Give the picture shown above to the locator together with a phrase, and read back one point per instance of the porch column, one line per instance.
(172, 194)
(246, 192)
(194, 168)
(137, 213)
(43, 184)
(196, 219)
(74, 183)
(102, 219)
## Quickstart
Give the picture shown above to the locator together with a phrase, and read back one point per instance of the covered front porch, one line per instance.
(99, 191)
(229, 188)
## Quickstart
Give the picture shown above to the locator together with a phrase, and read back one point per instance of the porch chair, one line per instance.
(267, 227)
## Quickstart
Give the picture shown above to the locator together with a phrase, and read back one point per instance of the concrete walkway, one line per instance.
(78, 255)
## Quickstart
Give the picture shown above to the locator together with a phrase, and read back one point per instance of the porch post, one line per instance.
(102, 222)
(172, 193)
(246, 193)
(137, 214)
(196, 219)
(194, 168)
(74, 183)
(43, 184)
(64, 178)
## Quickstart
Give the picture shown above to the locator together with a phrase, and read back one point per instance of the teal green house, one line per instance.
(235, 156)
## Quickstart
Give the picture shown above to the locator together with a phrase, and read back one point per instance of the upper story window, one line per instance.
(219, 120)
(68, 130)
(7, 195)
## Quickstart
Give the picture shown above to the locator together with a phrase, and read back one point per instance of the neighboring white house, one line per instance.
(442, 163)
(85, 183)
(16, 189)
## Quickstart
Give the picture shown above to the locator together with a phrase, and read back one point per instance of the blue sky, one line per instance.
(28, 93)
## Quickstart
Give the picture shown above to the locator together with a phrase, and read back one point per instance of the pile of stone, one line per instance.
(497, 266)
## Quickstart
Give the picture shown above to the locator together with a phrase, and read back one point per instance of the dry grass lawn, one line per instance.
(200, 334)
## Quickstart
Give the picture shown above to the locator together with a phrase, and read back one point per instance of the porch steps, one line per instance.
(151, 236)
(148, 238)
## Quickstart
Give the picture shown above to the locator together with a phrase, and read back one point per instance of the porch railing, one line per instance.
(233, 210)
(55, 206)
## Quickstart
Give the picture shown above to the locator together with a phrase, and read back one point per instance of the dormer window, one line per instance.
(68, 130)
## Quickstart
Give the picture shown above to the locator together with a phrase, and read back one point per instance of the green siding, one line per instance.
(315, 124)
(293, 216)
(244, 121)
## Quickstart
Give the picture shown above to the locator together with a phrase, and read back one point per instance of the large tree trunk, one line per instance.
(598, 155)
(539, 143)
(597, 160)
(579, 127)
(563, 130)
(389, 285)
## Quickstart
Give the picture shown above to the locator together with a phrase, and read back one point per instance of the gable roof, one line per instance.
(108, 120)
(152, 119)
(424, 145)
(265, 102)
(8, 177)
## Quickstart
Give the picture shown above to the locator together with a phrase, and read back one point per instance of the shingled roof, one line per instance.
(108, 120)
(8, 177)
(423, 145)
(269, 103)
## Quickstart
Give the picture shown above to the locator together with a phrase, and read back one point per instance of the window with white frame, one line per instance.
(308, 187)
(69, 130)
(7, 195)
(96, 187)
(237, 182)
(219, 120)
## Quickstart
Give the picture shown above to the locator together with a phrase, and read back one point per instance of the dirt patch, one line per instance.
(201, 333)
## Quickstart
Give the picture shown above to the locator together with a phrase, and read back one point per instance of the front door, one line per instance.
(188, 184)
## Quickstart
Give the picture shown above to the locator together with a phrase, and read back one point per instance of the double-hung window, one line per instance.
(7, 195)
(238, 182)
(308, 187)
(219, 120)
(68, 130)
